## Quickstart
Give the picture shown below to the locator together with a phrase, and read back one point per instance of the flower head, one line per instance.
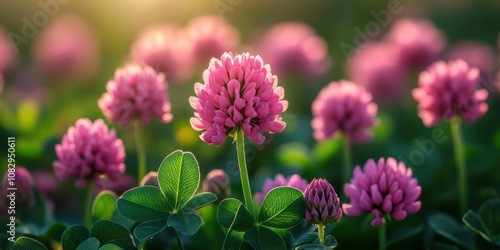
(343, 107)
(87, 151)
(295, 47)
(164, 48)
(476, 55)
(20, 179)
(419, 41)
(217, 182)
(67, 47)
(447, 90)
(8, 56)
(322, 203)
(239, 91)
(294, 181)
(136, 92)
(377, 66)
(383, 188)
(211, 36)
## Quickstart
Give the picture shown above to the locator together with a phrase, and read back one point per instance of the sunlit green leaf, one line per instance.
(25, 243)
(143, 204)
(283, 207)
(178, 177)
(232, 214)
(198, 201)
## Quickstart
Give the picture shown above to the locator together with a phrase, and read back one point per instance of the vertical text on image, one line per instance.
(11, 188)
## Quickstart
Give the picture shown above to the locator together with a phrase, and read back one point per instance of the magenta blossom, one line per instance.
(322, 203)
(21, 181)
(377, 66)
(419, 41)
(447, 90)
(239, 91)
(136, 92)
(295, 47)
(383, 188)
(7, 55)
(294, 181)
(67, 47)
(476, 55)
(164, 48)
(343, 107)
(89, 151)
(217, 182)
(210, 36)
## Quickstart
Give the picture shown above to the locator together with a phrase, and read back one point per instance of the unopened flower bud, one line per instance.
(322, 203)
(217, 182)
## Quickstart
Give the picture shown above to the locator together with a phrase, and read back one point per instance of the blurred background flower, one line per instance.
(294, 48)
(136, 92)
(67, 48)
(279, 180)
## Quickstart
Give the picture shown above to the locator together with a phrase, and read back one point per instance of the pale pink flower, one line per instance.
(447, 90)
(7, 55)
(67, 47)
(211, 36)
(343, 107)
(294, 47)
(89, 151)
(294, 181)
(239, 91)
(419, 41)
(136, 92)
(164, 47)
(378, 67)
(476, 55)
(384, 188)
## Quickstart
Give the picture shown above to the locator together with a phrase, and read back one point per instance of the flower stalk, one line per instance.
(458, 146)
(141, 152)
(245, 182)
(381, 237)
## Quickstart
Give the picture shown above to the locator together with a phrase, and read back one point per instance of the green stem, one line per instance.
(381, 236)
(143, 244)
(346, 171)
(458, 145)
(179, 241)
(141, 153)
(245, 183)
(321, 233)
(88, 205)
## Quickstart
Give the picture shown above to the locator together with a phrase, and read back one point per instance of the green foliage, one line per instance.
(103, 232)
(25, 243)
(486, 222)
(104, 208)
(449, 228)
(173, 204)
(282, 209)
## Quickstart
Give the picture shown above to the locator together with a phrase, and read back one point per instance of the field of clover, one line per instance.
(250, 125)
